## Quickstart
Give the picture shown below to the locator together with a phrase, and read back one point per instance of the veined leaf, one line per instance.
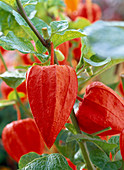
(66, 35)
(52, 161)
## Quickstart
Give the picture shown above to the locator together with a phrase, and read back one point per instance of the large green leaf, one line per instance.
(66, 35)
(13, 78)
(51, 162)
(25, 159)
(107, 39)
(11, 42)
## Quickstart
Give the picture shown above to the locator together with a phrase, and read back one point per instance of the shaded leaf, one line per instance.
(67, 149)
(112, 165)
(13, 78)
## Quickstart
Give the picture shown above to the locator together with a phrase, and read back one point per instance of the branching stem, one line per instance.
(24, 15)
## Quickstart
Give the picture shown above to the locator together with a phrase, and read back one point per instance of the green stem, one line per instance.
(82, 144)
(21, 104)
(104, 130)
(81, 70)
(24, 15)
(3, 62)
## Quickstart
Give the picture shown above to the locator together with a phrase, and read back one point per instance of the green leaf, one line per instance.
(5, 6)
(52, 161)
(106, 39)
(39, 47)
(58, 26)
(7, 115)
(42, 57)
(25, 159)
(107, 147)
(86, 53)
(71, 128)
(83, 80)
(97, 156)
(12, 95)
(29, 2)
(13, 78)
(30, 11)
(8, 22)
(66, 35)
(86, 50)
(96, 63)
(11, 42)
(112, 165)
(10, 2)
(118, 156)
(23, 67)
(67, 149)
(79, 23)
(59, 55)
(4, 103)
(115, 140)
(38, 23)
(113, 85)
